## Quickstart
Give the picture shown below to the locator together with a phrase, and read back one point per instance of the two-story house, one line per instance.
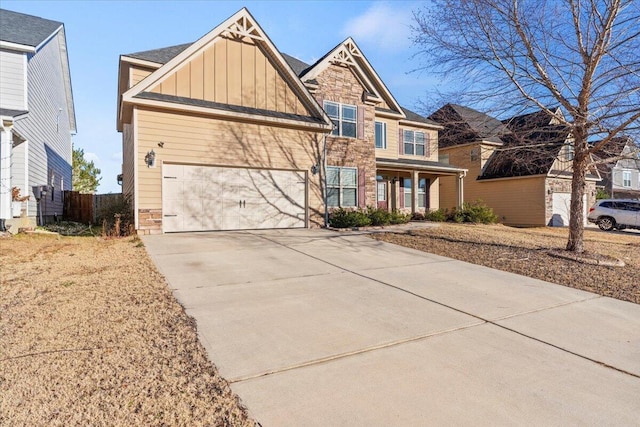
(620, 176)
(37, 114)
(230, 133)
(520, 167)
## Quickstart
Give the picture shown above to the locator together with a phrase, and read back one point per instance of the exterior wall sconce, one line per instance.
(119, 179)
(314, 169)
(150, 159)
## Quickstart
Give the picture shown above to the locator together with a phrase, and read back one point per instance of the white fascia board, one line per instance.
(141, 62)
(17, 47)
(421, 124)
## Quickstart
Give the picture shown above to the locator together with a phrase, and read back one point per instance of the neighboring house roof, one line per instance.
(527, 154)
(297, 65)
(536, 120)
(162, 55)
(26, 30)
(463, 125)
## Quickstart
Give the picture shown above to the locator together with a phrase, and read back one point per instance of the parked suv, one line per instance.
(615, 213)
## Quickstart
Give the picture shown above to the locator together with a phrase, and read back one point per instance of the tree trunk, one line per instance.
(578, 184)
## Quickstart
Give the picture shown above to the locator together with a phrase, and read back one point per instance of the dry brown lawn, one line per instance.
(91, 335)
(524, 251)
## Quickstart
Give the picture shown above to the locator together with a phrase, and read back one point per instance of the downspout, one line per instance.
(324, 178)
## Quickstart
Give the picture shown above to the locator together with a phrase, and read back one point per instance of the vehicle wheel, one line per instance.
(606, 223)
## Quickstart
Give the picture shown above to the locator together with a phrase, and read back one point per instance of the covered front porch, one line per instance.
(413, 185)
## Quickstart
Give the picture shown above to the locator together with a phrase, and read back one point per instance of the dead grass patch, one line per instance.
(91, 335)
(525, 251)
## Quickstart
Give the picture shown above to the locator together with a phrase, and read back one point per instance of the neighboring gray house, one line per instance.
(621, 177)
(37, 117)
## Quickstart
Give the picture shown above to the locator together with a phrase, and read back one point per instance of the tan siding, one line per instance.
(392, 139)
(200, 140)
(234, 73)
(270, 85)
(137, 74)
(183, 81)
(168, 86)
(248, 71)
(261, 81)
(128, 151)
(516, 201)
(209, 82)
(197, 77)
(220, 66)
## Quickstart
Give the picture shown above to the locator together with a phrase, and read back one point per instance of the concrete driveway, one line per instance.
(314, 327)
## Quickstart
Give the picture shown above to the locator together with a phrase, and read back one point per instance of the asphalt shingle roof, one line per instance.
(162, 55)
(415, 117)
(24, 29)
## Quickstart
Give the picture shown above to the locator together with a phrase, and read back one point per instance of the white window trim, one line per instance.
(626, 173)
(384, 134)
(422, 193)
(341, 187)
(413, 142)
(340, 119)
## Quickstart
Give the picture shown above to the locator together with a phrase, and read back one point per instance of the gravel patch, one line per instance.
(526, 252)
(91, 335)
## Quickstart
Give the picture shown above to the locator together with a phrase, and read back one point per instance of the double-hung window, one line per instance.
(414, 142)
(381, 135)
(342, 187)
(422, 193)
(626, 179)
(344, 118)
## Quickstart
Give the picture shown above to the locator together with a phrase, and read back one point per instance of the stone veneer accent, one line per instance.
(149, 221)
(339, 84)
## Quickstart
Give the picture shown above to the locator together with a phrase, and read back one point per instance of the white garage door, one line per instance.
(199, 198)
(562, 207)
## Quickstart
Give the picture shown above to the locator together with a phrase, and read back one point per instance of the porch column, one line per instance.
(461, 188)
(5, 169)
(415, 176)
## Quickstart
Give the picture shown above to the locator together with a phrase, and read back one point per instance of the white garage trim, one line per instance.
(561, 209)
(205, 197)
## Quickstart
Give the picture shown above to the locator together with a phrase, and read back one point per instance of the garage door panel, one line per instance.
(198, 198)
(562, 209)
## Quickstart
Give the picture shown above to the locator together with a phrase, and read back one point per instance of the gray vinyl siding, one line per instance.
(47, 126)
(12, 80)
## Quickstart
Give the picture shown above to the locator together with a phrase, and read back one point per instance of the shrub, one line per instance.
(476, 212)
(116, 219)
(436, 216)
(378, 216)
(417, 216)
(398, 217)
(601, 194)
(343, 218)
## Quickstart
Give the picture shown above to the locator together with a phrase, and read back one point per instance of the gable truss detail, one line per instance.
(242, 28)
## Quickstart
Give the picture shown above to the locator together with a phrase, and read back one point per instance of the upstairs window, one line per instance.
(626, 179)
(414, 143)
(569, 152)
(381, 135)
(344, 118)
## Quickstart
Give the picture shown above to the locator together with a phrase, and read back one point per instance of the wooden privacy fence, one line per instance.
(88, 208)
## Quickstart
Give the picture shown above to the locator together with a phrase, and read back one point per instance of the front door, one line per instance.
(382, 195)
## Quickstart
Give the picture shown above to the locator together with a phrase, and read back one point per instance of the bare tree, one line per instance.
(523, 54)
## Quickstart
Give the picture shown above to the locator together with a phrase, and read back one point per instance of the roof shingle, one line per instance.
(25, 29)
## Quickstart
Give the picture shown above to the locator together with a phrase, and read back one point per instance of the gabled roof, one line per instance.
(535, 120)
(615, 149)
(415, 117)
(160, 56)
(240, 25)
(349, 54)
(463, 125)
(25, 30)
(530, 153)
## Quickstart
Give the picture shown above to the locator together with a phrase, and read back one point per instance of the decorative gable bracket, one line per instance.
(242, 28)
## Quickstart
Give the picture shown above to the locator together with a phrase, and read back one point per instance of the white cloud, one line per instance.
(92, 157)
(383, 25)
(117, 157)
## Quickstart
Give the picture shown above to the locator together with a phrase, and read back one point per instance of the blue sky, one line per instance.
(99, 31)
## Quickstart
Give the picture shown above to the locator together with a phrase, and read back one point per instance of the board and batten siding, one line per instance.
(47, 126)
(13, 89)
(233, 72)
(194, 139)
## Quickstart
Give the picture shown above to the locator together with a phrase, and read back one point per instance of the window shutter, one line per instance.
(401, 193)
(427, 144)
(362, 203)
(400, 142)
(360, 125)
(427, 195)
